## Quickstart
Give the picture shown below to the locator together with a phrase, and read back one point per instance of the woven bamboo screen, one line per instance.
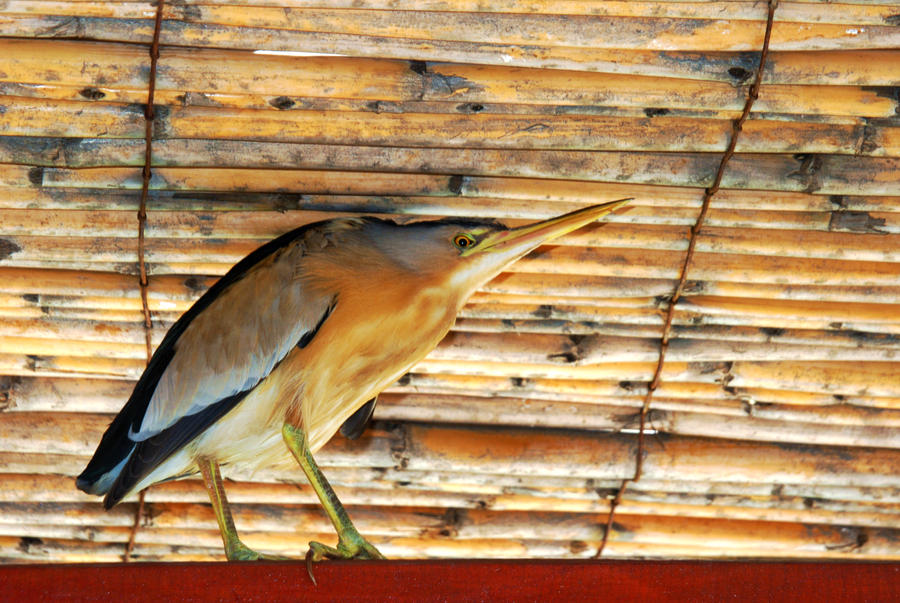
(774, 425)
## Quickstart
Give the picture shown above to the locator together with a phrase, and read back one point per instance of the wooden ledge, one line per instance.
(457, 580)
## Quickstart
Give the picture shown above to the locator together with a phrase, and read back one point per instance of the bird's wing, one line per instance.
(236, 341)
(224, 345)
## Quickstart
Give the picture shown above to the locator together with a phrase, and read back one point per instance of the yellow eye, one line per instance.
(463, 241)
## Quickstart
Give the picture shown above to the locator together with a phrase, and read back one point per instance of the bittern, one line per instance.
(296, 340)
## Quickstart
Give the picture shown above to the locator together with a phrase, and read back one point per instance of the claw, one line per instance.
(309, 566)
(353, 547)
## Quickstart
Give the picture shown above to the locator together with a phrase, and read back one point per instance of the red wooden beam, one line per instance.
(654, 581)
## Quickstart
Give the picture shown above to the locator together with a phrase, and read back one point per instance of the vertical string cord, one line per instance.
(737, 126)
(144, 282)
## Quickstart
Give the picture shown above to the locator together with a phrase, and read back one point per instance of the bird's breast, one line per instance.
(365, 345)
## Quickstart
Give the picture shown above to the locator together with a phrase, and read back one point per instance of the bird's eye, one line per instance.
(463, 241)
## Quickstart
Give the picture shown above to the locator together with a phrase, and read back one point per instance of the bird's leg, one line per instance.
(351, 545)
(235, 550)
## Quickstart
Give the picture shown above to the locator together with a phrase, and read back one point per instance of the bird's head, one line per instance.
(463, 254)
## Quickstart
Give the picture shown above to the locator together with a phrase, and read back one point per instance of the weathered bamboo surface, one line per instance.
(775, 428)
(241, 79)
(430, 514)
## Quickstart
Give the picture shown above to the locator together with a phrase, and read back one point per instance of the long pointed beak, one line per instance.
(516, 242)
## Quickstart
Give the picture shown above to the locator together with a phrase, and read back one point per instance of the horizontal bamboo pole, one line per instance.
(27, 117)
(232, 215)
(460, 525)
(800, 12)
(494, 452)
(545, 29)
(527, 452)
(736, 238)
(488, 196)
(537, 313)
(506, 492)
(473, 527)
(62, 92)
(864, 378)
(80, 551)
(18, 488)
(516, 405)
(259, 216)
(277, 168)
(570, 354)
(733, 319)
(63, 285)
(830, 426)
(871, 384)
(512, 131)
(222, 78)
(490, 490)
(766, 396)
(868, 379)
(84, 318)
(614, 384)
(669, 8)
(408, 34)
(788, 11)
(191, 256)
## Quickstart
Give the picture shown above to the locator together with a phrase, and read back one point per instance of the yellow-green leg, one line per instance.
(351, 545)
(235, 550)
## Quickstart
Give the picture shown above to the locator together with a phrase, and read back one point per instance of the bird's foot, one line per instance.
(350, 546)
(241, 552)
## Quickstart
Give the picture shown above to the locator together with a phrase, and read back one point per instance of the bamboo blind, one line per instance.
(773, 429)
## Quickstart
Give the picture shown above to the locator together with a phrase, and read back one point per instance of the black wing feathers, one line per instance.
(155, 449)
(356, 423)
(115, 444)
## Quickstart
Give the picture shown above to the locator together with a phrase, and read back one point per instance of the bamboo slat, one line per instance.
(474, 525)
(87, 318)
(801, 12)
(236, 215)
(219, 77)
(418, 34)
(63, 286)
(526, 408)
(75, 551)
(86, 338)
(494, 197)
(741, 238)
(511, 451)
(184, 256)
(23, 117)
(522, 492)
(836, 425)
(822, 174)
(873, 384)
(31, 488)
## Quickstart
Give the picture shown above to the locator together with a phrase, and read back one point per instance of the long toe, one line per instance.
(367, 551)
(352, 548)
(242, 552)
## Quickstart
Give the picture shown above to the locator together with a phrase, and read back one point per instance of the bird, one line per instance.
(294, 343)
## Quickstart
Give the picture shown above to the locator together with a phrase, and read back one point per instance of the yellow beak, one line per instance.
(516, 242)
